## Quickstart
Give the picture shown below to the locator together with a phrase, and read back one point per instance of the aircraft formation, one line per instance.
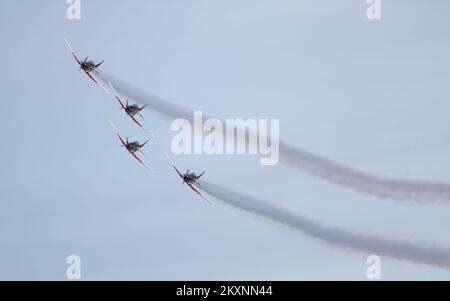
(133, 110)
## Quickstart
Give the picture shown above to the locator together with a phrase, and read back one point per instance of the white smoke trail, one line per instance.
(402, 250)
(383, 187)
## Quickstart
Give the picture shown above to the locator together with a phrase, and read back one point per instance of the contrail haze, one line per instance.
(402, 250)
(380, 186)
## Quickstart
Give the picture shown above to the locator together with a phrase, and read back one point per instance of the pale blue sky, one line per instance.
(371, 94)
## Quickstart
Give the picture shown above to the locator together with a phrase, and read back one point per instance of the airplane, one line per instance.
(190, 179)
(131, 110)
(89, 67)
(132, 147)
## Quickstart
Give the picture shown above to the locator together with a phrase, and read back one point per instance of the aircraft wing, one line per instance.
(73, 52)
(91, 77)
(138, 123)
(96, 81)
(176, 169)
(117, 95)
(193, 188)
(118, 134)
(139, 159)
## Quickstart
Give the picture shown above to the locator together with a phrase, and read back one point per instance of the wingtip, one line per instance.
(68, 44)
(151, 169)
(113, 126)
(150, 133)
(208, 201)
(170, 160)
(112, 88)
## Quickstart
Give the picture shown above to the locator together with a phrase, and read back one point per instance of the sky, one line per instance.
(368, 94)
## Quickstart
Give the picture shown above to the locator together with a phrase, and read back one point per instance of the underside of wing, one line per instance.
(198, 192)
(173, 165)
(139, 159)
(73, 52)
(118, 134)
(91, 77)
(138, 123)
(96, 81)
(116, 95)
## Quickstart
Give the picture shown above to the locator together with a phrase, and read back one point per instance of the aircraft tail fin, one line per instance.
(98, 65)
(142, 145)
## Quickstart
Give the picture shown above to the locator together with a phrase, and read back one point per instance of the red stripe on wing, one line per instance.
(137, 122)
(120, 137)
(76, 58)
(192, 187)
(120, 101)
(137, 158)
(121, 140)
(176, 169)
(92, 78)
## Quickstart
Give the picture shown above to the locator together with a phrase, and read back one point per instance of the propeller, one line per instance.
(184, 176)
(82, 63)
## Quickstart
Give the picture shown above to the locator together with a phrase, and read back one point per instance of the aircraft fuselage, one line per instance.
(133, 147)
(132, 110)
(190, 178)
(88, 66)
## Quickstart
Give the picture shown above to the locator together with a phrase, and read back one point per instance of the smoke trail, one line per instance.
(397, 249)
(383, 187)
